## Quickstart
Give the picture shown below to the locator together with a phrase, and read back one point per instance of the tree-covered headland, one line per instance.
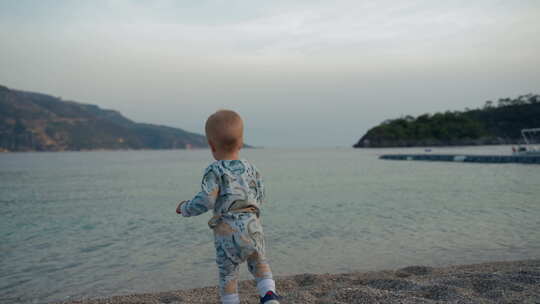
(495, 123)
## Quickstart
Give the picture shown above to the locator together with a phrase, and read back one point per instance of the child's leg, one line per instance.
(228, 281)
(260, 269)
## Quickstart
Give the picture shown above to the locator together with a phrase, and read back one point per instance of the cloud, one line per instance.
(315, 65)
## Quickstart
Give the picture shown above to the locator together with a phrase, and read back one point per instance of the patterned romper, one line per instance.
(229, 185)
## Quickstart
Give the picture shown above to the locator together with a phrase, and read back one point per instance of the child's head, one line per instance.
(224, 131)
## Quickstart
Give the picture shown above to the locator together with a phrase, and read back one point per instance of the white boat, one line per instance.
(531, 146)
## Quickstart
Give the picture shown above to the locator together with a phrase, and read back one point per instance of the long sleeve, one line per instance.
(205, 199)
(260, 187)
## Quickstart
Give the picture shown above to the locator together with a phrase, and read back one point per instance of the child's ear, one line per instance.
(212, 147)
(241, 144)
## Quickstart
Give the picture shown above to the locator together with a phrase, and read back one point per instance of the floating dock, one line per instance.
(490, 159)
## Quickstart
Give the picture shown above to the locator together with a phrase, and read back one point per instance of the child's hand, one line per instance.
(179, 208)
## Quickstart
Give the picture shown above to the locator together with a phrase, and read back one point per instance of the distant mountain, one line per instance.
(492, 124)
(38, 122)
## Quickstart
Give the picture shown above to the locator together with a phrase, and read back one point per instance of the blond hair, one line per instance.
(225, 129)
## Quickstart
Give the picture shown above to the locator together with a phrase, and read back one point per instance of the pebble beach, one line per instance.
(495, 282)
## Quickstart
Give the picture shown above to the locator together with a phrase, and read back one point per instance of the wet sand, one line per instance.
(498, 282)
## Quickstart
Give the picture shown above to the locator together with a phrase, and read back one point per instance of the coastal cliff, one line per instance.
(37, 122)
(494, 124)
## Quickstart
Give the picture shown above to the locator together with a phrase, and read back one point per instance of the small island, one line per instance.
(37, 122)
(495, 124)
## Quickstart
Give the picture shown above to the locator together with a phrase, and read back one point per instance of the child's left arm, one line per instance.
(260, 186)
(204, 200)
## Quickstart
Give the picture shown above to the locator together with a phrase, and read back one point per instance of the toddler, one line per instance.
(232, 188)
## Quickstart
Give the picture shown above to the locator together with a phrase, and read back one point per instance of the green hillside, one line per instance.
(495, 123)
(38, 122)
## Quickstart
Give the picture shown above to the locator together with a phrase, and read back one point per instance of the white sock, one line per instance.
(266, 285)
(232, 298)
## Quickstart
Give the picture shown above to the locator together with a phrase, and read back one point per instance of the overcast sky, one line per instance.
(301, 73)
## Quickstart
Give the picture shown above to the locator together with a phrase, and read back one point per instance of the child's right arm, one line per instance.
(205, 199)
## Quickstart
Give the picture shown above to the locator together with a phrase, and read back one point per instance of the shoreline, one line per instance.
(493, 282)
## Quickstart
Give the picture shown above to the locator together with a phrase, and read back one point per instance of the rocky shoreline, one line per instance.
(496, 282)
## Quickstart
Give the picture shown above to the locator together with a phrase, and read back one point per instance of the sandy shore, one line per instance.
(499, 282)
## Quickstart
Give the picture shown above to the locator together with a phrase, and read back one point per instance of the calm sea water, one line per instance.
(95, 224)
